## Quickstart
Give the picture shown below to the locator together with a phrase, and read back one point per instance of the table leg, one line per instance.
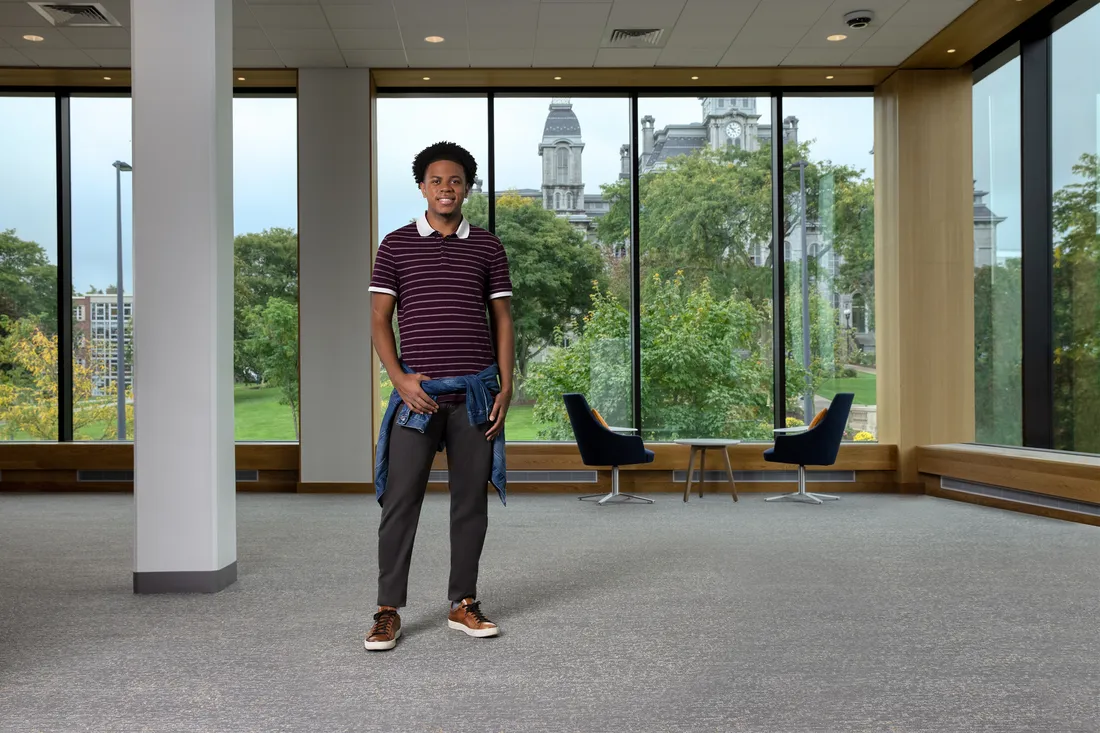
(729, 469)
(691, 467)
(702, 471)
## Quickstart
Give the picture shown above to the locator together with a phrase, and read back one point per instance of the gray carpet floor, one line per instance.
(883, 614)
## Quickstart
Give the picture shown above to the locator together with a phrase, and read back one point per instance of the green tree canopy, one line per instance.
(709, 214)
(265, 267)
(274, 347)
(552, 266)
(1077, 309)
(998, 353)
(704, 371)
(28, 282)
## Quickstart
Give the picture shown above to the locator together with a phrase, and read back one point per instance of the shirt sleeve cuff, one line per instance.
(501, 294)
(387, 291)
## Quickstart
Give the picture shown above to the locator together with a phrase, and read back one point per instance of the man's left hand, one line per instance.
(498, 414)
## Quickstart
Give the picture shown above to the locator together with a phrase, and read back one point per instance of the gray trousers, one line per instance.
(469, 464)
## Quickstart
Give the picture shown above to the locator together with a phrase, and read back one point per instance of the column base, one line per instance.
(186, 581)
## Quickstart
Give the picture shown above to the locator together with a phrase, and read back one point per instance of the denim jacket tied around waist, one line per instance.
(480, 390)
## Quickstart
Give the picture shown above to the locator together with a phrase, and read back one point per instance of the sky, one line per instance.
(265, 161)
(265, 149)
(843, 129)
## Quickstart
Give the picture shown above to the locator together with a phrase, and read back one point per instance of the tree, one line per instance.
(28, 282)
(265, 267)
(552, 267)
(709, 214)
(998, 354)
(274, 343)
(704, 371)
(1077, 309)
(29, 390)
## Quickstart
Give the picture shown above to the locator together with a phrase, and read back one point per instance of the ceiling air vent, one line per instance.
(76, 15)
(635, 38)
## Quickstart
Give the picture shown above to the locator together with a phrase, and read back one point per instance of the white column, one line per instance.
(184, 490)
(334, 265)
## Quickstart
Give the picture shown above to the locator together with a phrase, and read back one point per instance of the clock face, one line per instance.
(733, 130)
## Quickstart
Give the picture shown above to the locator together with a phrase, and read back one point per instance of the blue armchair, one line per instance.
(818, 446)
(602, 447)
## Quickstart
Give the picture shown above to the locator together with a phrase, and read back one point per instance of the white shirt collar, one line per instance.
(425, 229)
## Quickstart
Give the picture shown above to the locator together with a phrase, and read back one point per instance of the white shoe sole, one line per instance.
(381, 646)
(479, 633)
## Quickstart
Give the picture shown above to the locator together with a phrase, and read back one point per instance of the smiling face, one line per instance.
(445, 188)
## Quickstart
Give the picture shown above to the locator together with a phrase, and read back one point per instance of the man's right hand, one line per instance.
(408, 387)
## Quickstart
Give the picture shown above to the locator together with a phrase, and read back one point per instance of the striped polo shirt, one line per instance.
(443, 286)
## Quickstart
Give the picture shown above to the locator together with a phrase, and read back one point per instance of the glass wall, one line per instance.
(706, 270)
(265, 255)
(829, 254)
(28, 269)
(998, 348)
(562, 213)
(102, 247)
(405, 126)
(1075, 141)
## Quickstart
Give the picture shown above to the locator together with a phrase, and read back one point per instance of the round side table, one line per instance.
(701, 446)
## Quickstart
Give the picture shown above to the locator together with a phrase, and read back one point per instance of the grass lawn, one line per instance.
(863, 385)
(521, 423)
(259, 416)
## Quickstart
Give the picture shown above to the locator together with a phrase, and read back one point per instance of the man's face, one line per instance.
(444, 187)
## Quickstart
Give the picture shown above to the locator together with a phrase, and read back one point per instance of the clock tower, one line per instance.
(731, 121)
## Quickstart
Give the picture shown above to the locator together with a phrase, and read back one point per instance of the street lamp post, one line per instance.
(808, 396)
(120, 327)
(847, 332)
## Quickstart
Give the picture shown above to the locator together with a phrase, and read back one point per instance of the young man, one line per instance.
(452, 385)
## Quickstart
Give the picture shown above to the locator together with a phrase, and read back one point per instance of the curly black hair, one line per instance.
(444, 151)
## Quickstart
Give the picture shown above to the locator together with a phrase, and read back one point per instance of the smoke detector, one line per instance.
(76, 15)
(634, 38)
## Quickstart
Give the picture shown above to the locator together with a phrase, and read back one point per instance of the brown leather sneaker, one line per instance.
(385, 632)
(468, 618)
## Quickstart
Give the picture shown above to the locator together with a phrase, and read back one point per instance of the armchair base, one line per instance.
(802, 495)
(615, 495)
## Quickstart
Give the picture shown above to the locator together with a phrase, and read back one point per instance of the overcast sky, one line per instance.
(265, 150)
(842, 127)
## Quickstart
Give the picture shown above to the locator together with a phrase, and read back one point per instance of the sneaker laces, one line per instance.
(473, 608)
(383, 622)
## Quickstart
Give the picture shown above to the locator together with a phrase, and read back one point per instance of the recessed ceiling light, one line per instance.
(434, 39)
(836, 37)
(33, 38)
(694, 77)
(951, 50)
(427, 78)
(557, 78)
(240, 78)
(106, 78)
(830, 76)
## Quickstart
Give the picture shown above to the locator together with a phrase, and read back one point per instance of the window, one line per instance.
(998, 348)
(101, 196)
(706, 326)
(265, 248)
(572, 296)
(830, 276)
(28, 269)
(79, 315)
(1075, 145)
(562, 157)
(405, 126)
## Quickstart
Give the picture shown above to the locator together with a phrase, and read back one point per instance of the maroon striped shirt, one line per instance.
(443, 286)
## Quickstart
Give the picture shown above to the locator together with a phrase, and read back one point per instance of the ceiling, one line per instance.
(513, 33)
